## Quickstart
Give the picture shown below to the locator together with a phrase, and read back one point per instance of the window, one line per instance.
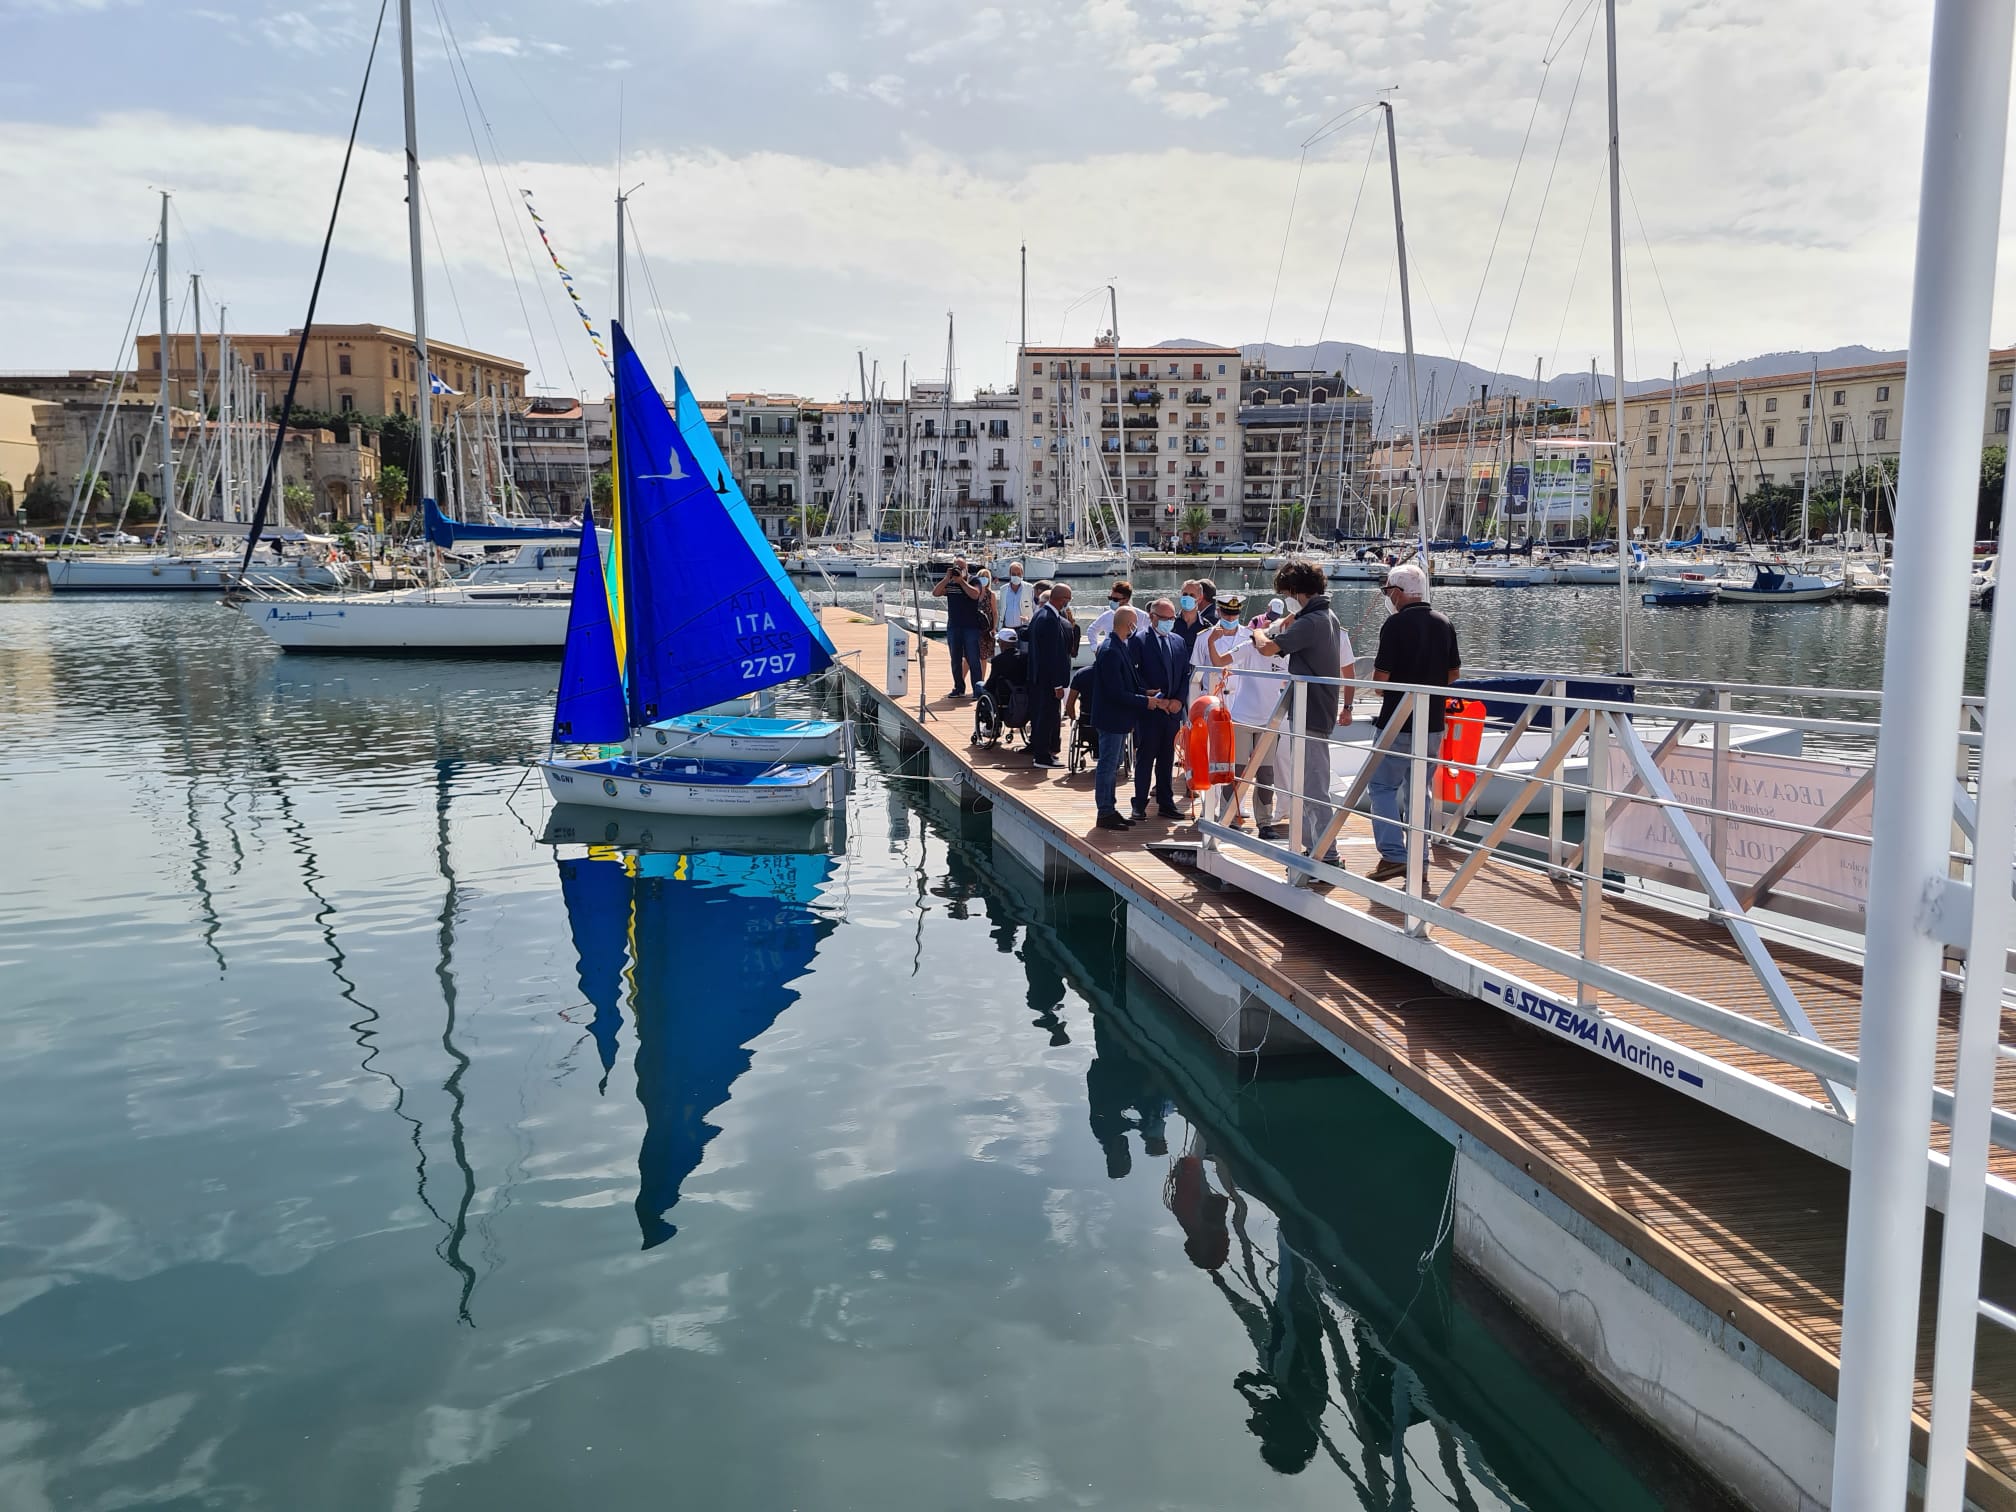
(1084, 393)
(346, 404)
(1740, 442)
(1770, 406)
(1679, 493)
(1806, 401)
(1711, 412)
(1644, 495)
(1221, 466)
(1834, 432)
(1686, 443)
(343, 364)
(1882, 393)
(1803, 433)
(1221, 443)
(1652, 445)
(1037, 369)
(1172, 467)
(1879, 427)
(395, 364)
(1840, 396)
(286, 362)
(1770, 435)
(1169, 490)
(1221, 391)
(1687, 413)
(1652, 418)
(2001, 419)
(2004, 383)
(1289, 396)
(1196, 370)
(1742, 406)
(258, 361)
(1036, 469)
(1037, 391)
(396, 409)
(1221, 490)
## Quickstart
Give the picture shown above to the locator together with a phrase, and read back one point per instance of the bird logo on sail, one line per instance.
(676, 472)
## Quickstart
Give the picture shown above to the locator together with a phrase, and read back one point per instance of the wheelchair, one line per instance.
(999, 723)
(1082, 749)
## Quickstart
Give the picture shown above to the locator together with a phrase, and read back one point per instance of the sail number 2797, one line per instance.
(769, 666)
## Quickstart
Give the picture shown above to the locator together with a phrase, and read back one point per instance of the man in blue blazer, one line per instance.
(1162, 662)
(1118, 702)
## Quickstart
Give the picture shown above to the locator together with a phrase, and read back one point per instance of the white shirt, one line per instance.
(1249, 700)
(1103, 626)
(1018, 602)
(1222, 638)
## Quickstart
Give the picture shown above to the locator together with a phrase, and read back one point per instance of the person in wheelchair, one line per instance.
(1003, 705)
(1083, 746)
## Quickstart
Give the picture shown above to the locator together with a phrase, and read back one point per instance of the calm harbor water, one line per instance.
(361, 1146)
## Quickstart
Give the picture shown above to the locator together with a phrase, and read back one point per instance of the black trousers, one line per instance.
(1154, 747)
(1044, 717)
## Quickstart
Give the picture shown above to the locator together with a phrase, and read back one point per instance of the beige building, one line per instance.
(1305, 442)
(372, 369)
(18, 458)
(1695, 453)
(1167, 432)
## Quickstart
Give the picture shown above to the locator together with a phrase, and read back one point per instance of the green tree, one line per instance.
(603, 491)
(1292, 516)
(1192, 523)
(46, 501)
(999, 524)
(6, 498)
(1770, 511)
(142, 506)
(299, 499)
(392, 487)
(816, 516)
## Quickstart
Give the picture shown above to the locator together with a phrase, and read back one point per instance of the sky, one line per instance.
(821, 179)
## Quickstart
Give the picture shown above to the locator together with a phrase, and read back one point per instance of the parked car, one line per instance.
(71, 538)
(117, 538)
(20, 538)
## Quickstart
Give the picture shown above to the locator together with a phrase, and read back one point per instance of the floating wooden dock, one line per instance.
(1691, 1259)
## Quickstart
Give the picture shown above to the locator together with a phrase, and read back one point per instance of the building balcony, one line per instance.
(1196, 425)
(1197, 396)
(1144, 396)
(1196, 449)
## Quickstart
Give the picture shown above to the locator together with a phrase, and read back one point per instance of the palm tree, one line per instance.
(1292, 516)
(1192, 523)
(999, 524)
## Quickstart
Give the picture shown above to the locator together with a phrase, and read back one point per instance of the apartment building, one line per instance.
(548, 451)
(1305, 443)
(1159, 423)
(762, 446)
(974, 441)
(1478, 470)
(1694, 452)
(371, 369)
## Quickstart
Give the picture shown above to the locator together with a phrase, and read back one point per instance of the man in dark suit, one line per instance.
(1161, 659)
(1049, 640)
(1118, 702)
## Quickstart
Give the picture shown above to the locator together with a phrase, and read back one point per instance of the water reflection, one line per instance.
(714, 941)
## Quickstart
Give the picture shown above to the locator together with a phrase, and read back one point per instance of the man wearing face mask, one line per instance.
(1190, 621)
(1017, 601)
(1117, 598)
(962, 597)
(1310, 639)
(1162, 663)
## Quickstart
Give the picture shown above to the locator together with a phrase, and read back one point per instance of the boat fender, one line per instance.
(1462, 740)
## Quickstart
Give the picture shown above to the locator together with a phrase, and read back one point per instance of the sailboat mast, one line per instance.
(1407, 329)
(202, 408)
(1812, 419)
(226, 409)
(941, 512)
(622, 285)
(1021, 444)
(1119, 408)
(423, 402)
(1618, 466)
(167, 494)
(1672, 424)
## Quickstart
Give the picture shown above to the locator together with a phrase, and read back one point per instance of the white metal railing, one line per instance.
(1523, 760)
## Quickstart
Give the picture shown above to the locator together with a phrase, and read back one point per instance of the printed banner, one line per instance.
(1795, 789)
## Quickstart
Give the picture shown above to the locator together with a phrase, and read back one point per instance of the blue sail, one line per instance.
(710, 614)
(589, 709)
(597, 894)
(446, 530)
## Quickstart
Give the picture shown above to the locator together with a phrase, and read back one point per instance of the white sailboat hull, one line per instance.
(1095, 566)
(736, 738)
(508, 620)
(667, 788)
(178, 574)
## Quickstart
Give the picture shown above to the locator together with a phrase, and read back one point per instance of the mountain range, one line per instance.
(1381, 374)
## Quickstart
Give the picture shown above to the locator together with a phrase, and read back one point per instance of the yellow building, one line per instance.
(18, 457)
(1694, 453)
(370, 369)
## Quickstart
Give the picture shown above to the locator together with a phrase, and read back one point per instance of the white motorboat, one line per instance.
(1775, 583)
(1095, 564)
(1348, 569)
(503, 619)
(1506, 575)
(1035, 568)
(715, 737)
(1590, 572)
(702, 612)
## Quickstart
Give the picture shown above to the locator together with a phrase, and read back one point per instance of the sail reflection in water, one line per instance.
(711, 941)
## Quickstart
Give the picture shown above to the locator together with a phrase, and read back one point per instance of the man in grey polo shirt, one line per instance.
(1309, 638)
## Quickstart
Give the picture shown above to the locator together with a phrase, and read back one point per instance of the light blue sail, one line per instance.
(711, 615)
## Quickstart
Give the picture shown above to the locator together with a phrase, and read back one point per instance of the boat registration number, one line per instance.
(769, 666)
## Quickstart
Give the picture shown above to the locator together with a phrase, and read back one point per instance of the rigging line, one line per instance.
(1568, 304)
(483, 169)
(1546, 193)
(1324, 325)
(651, 283)
(441, 256)
(314, 295)
(1657, 277)
(1280, 262)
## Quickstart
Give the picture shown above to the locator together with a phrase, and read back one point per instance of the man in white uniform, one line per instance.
(1251, 700)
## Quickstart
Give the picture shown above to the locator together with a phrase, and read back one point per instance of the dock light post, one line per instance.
(1959, 207)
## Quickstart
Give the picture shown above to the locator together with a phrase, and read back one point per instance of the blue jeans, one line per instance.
(1386, 794)
(964, 644)
(1106, 778)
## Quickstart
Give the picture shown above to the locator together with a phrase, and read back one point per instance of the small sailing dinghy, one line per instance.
(692, 610)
